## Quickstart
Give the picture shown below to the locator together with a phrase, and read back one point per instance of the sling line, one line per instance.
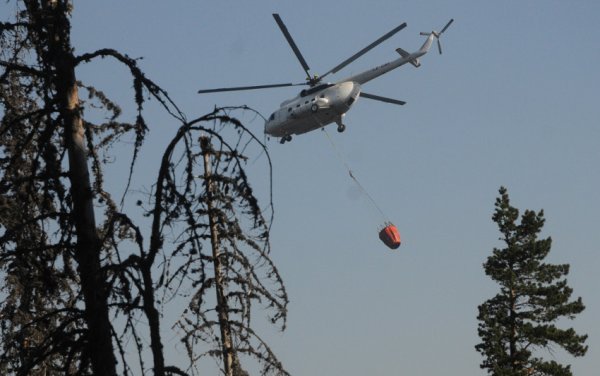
(343, 160)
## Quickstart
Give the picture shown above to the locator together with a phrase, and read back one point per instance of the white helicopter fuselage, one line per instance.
(313, 108)
(324, 104)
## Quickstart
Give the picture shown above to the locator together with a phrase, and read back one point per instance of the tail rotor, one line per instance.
(439, 34)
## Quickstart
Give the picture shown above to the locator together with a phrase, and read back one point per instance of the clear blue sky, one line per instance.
(513, 101)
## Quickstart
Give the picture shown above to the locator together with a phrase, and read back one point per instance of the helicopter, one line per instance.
(323, 103)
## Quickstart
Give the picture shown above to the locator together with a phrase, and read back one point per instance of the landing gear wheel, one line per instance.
(341, 128)
(314, 108)
(285, 139)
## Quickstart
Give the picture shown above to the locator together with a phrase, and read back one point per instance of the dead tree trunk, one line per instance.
(53, 28)
(88, 244)
(229, 356)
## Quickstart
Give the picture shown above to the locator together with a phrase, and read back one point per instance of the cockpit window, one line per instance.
(272, 116)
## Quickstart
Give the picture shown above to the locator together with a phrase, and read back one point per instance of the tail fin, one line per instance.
(414, 61)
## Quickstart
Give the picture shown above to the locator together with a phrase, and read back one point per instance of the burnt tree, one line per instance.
(78, 271)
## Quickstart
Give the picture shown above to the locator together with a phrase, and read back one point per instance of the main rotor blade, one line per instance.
(292, 44)
(447, 25)
(366, 49)
(239, 88)
(381, 99)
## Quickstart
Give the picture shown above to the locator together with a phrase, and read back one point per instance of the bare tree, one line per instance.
(223, 210)
(75, 289)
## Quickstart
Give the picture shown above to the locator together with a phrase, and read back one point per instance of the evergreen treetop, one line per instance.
(520, 321)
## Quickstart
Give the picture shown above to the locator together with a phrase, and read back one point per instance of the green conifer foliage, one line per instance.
(518, 325)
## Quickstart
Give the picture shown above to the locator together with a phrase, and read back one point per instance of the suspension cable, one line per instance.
(343, 160)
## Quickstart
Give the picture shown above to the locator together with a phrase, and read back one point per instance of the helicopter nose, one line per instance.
(267, 127)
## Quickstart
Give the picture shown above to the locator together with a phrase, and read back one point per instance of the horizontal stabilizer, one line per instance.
(403, 53)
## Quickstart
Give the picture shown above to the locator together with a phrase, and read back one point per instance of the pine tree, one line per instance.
(519, 323)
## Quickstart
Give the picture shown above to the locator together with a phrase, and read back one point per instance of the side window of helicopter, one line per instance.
(272, 117)
(322, 95)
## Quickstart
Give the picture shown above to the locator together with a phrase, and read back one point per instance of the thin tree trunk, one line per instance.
(513, 330)
(153, 318)
(229, 358)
